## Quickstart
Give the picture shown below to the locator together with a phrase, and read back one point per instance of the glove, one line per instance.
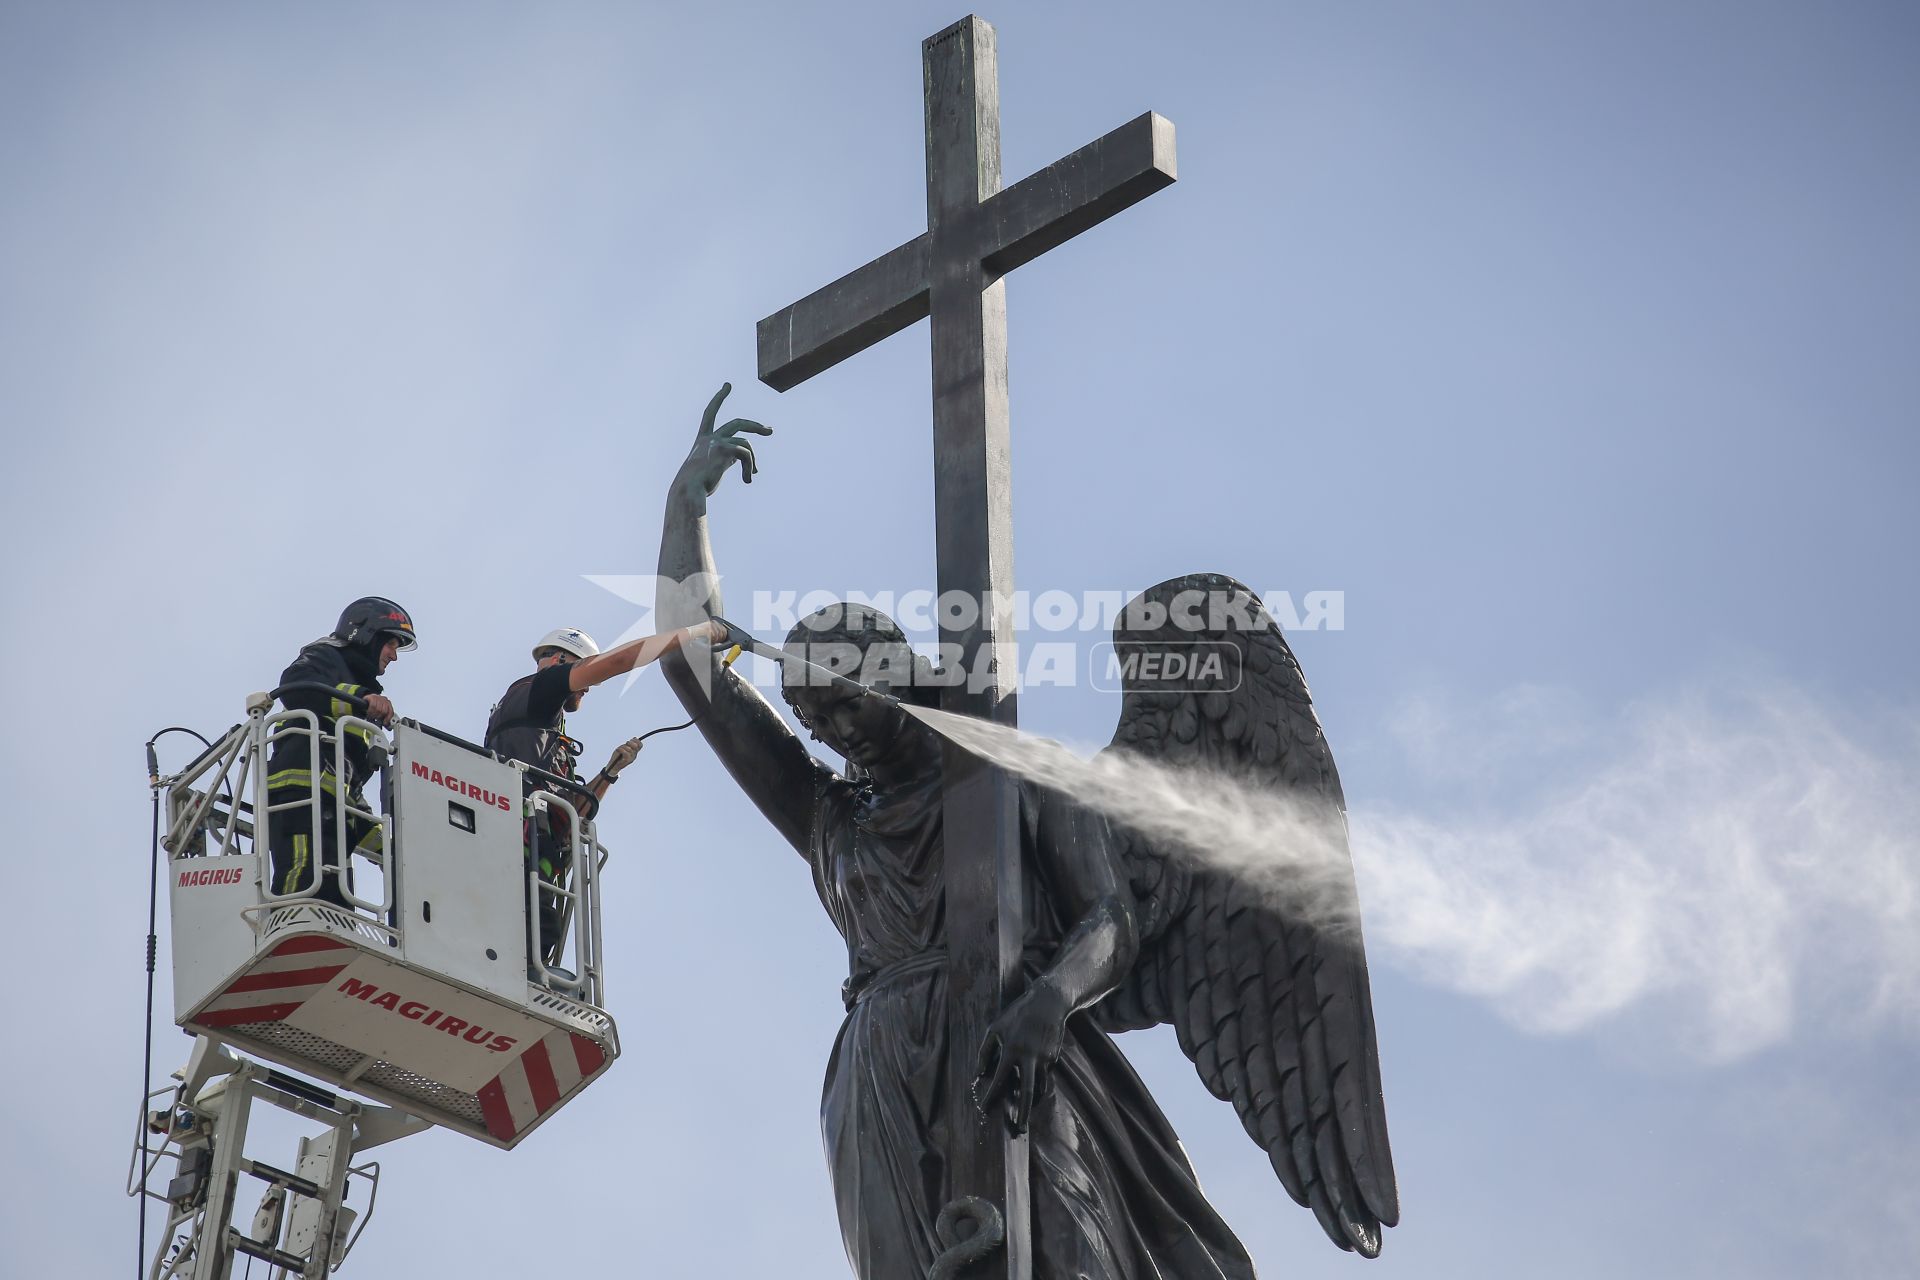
(728, 634)
(623, 755)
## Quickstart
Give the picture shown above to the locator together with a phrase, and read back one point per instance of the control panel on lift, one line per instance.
(424, 986)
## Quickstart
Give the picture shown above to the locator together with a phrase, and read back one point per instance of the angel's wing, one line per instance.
(1263, 977)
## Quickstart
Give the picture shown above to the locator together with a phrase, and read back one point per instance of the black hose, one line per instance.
(674, 728)
(695, 718)
(153, 760)
(180, 728)
(153, 951)
(146, 1057)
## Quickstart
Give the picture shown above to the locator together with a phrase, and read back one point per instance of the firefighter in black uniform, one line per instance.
(372, 631)
(529, 724)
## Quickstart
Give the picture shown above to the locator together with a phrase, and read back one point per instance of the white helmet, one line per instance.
(570, 640)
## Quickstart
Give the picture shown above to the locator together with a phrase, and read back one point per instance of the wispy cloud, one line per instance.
(1741, 860)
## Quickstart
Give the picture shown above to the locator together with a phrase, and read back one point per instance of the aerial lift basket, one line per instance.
(427, 989)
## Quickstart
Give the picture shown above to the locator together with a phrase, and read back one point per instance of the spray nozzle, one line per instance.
(738, 638)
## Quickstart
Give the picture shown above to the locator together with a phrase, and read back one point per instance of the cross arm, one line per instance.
(844, 318)
(1076, 192)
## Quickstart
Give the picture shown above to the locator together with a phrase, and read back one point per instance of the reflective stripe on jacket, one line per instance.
(324, 663)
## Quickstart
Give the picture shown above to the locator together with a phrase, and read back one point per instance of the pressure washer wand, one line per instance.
(739, 636)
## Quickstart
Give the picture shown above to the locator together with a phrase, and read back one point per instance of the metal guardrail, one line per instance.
(203, 822)
(577, 886)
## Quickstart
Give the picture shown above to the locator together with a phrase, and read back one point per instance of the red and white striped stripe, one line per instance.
(550, 1069)
(278, 983)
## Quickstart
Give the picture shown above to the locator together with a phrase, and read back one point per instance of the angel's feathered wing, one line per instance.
(1259, 968)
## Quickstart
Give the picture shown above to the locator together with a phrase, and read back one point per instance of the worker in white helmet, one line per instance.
(529, 724)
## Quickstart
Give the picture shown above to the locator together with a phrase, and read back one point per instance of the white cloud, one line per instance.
(1741, 860)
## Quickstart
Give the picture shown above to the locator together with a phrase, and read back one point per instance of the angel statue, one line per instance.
(1269, 997)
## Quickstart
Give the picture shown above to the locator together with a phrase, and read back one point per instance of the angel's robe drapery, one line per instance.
(1113, 1195)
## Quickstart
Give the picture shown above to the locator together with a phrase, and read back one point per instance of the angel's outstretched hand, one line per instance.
(717, 448)
(1016, 1058)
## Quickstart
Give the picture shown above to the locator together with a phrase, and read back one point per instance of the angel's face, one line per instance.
(864, 729)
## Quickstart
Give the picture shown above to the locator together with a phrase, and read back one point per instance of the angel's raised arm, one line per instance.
(755, 744)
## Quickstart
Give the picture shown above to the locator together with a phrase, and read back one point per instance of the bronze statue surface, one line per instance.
(1268, 994)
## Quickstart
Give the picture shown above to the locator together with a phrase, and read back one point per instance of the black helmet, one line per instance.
(371, 616)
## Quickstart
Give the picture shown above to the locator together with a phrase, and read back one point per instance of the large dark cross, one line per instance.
(976, 233)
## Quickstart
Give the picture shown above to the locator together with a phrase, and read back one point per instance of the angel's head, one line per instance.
(868, 647)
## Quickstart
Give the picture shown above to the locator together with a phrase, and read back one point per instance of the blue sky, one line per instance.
(1572, 343)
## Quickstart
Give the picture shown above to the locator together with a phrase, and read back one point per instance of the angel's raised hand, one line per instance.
(717, 448)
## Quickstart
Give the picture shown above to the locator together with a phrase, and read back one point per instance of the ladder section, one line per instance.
(301, 1224)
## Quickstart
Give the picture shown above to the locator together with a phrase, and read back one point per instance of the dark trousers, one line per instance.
(547, 852)
(296, 855)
